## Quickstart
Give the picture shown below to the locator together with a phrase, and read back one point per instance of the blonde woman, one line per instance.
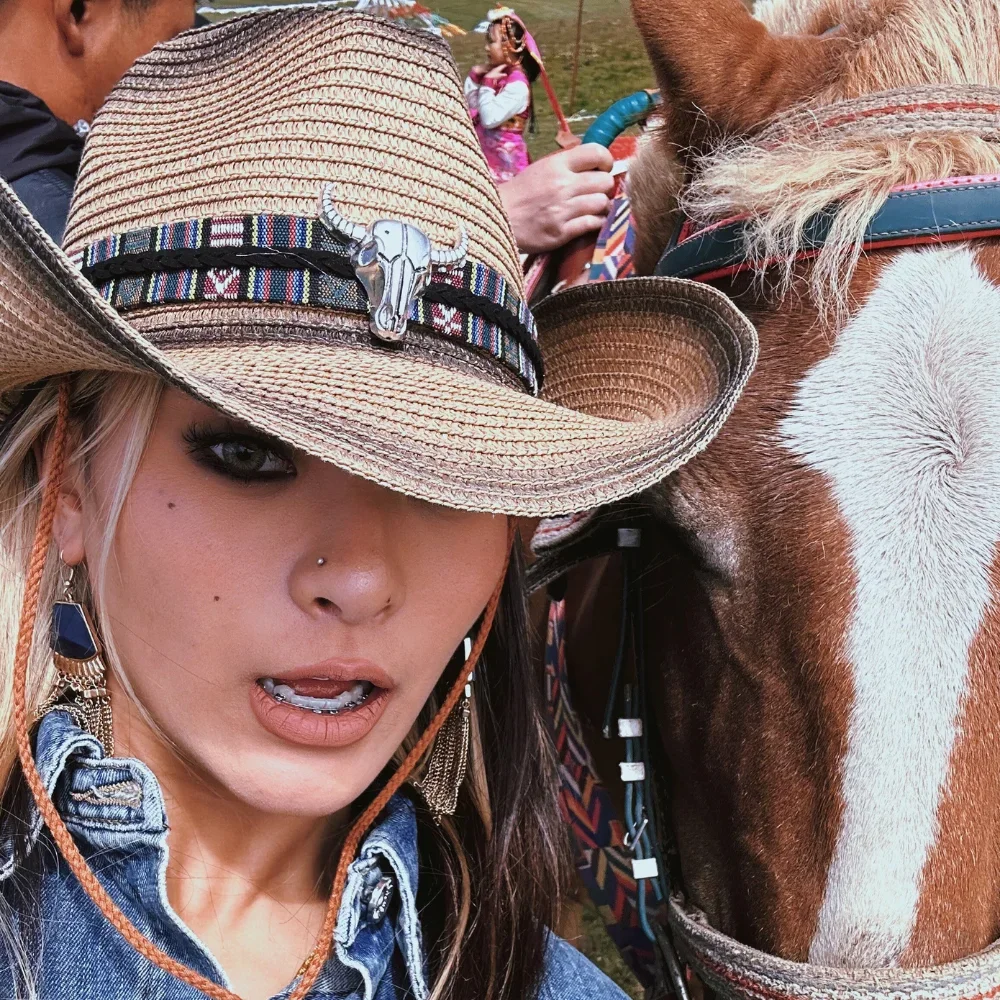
(271, 728)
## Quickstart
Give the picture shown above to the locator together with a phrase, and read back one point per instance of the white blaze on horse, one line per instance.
(823, 605)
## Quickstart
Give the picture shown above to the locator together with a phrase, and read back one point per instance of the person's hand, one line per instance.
(496, 73)
(478, 71)
(559, 197)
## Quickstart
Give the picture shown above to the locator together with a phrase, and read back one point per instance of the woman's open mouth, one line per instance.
(319, 710)
(314, 694)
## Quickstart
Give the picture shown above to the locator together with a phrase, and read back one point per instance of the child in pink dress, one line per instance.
(499, 93)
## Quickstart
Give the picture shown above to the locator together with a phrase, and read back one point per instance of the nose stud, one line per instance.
(321, 561)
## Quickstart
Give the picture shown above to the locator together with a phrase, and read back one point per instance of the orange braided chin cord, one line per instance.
(64, 839)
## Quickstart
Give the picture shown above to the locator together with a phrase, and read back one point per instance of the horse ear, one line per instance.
(713, 55)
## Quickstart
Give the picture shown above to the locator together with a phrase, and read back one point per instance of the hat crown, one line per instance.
(201, 256)
(256, 115)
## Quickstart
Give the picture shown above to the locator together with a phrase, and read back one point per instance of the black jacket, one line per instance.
(39, 157)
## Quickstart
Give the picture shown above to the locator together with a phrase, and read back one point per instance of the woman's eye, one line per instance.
(249, 461)
(241, 457)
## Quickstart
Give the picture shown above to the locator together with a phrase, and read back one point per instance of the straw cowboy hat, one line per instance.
(288, 216)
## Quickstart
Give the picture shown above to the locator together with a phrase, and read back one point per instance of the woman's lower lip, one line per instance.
(299, 725)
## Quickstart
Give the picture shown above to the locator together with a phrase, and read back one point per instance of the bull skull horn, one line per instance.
(334, 221)
(455, 255)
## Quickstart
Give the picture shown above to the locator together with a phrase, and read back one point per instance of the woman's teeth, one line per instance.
(351, 698)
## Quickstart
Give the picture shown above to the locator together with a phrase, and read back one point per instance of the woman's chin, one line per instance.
(293, 788)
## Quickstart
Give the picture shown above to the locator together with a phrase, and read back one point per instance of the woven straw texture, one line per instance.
(253, 116)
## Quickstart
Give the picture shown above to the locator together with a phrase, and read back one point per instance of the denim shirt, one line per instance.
(114, 808)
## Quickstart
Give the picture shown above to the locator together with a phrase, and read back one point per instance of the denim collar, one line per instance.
(111, 802)
(100, 798)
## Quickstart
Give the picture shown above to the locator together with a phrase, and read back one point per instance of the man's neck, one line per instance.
(32, 62)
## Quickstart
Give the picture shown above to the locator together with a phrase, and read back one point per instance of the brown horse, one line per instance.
(822, 607)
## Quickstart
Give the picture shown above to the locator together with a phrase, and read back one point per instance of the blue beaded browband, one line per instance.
(291, 260)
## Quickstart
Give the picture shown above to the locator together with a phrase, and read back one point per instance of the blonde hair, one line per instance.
(107, 404)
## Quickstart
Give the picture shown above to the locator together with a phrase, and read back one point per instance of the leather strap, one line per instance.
(960, 208)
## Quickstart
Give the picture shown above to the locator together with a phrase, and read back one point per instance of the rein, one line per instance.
(623, 865)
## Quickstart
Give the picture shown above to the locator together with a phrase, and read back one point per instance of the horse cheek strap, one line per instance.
(64, 839)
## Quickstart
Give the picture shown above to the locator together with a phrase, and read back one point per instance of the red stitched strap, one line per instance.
(934, 212)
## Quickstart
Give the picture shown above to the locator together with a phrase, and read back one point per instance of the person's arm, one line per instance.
(495, 109)
(559, 197)
(471, 89)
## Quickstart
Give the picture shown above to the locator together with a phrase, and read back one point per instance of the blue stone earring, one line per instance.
(80, 687)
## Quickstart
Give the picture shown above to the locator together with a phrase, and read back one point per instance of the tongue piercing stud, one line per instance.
(321, 561)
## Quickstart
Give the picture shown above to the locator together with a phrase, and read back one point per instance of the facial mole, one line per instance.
(216, 597)
(171, 505)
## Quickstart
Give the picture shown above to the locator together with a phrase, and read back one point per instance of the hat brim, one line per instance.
(651, 367)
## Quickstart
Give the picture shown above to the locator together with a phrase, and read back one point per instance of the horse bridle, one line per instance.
(932, 212)
(644, 831)
(626, 716)
(961, 208)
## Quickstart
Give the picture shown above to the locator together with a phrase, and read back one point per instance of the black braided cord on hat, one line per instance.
(324, 261)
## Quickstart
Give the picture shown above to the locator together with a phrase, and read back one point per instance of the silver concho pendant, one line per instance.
(394, 262)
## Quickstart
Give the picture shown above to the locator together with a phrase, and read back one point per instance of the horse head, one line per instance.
(822, 608)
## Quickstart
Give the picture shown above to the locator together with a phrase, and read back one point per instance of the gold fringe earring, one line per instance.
(449, 757)
(81, 681)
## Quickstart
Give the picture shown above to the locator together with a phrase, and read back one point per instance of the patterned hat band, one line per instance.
(291, 260)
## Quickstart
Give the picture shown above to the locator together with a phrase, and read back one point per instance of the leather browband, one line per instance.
(960, 208)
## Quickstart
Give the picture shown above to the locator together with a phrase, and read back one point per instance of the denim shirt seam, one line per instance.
(408, 917)
(349, 923)
(104, 824)
(161, 893)
(153, 814)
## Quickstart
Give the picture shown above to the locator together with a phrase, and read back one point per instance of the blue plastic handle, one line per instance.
(611, 123)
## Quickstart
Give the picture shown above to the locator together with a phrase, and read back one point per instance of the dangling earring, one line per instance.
(82, 675)
(449, 758)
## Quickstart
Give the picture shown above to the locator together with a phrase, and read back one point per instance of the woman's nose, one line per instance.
(352, 578)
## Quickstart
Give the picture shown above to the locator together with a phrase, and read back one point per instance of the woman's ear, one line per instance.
(68, 527)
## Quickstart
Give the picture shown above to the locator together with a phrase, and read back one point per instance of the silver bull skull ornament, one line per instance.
(393, 261)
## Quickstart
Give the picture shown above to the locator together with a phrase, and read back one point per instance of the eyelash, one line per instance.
(201, 441)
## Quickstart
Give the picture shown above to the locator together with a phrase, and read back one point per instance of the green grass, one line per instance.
(612, 59)
(592, 939)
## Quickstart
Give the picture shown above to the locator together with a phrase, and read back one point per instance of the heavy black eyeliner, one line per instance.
(201, 439)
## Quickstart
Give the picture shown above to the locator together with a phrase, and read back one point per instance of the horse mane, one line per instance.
(898, 44)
